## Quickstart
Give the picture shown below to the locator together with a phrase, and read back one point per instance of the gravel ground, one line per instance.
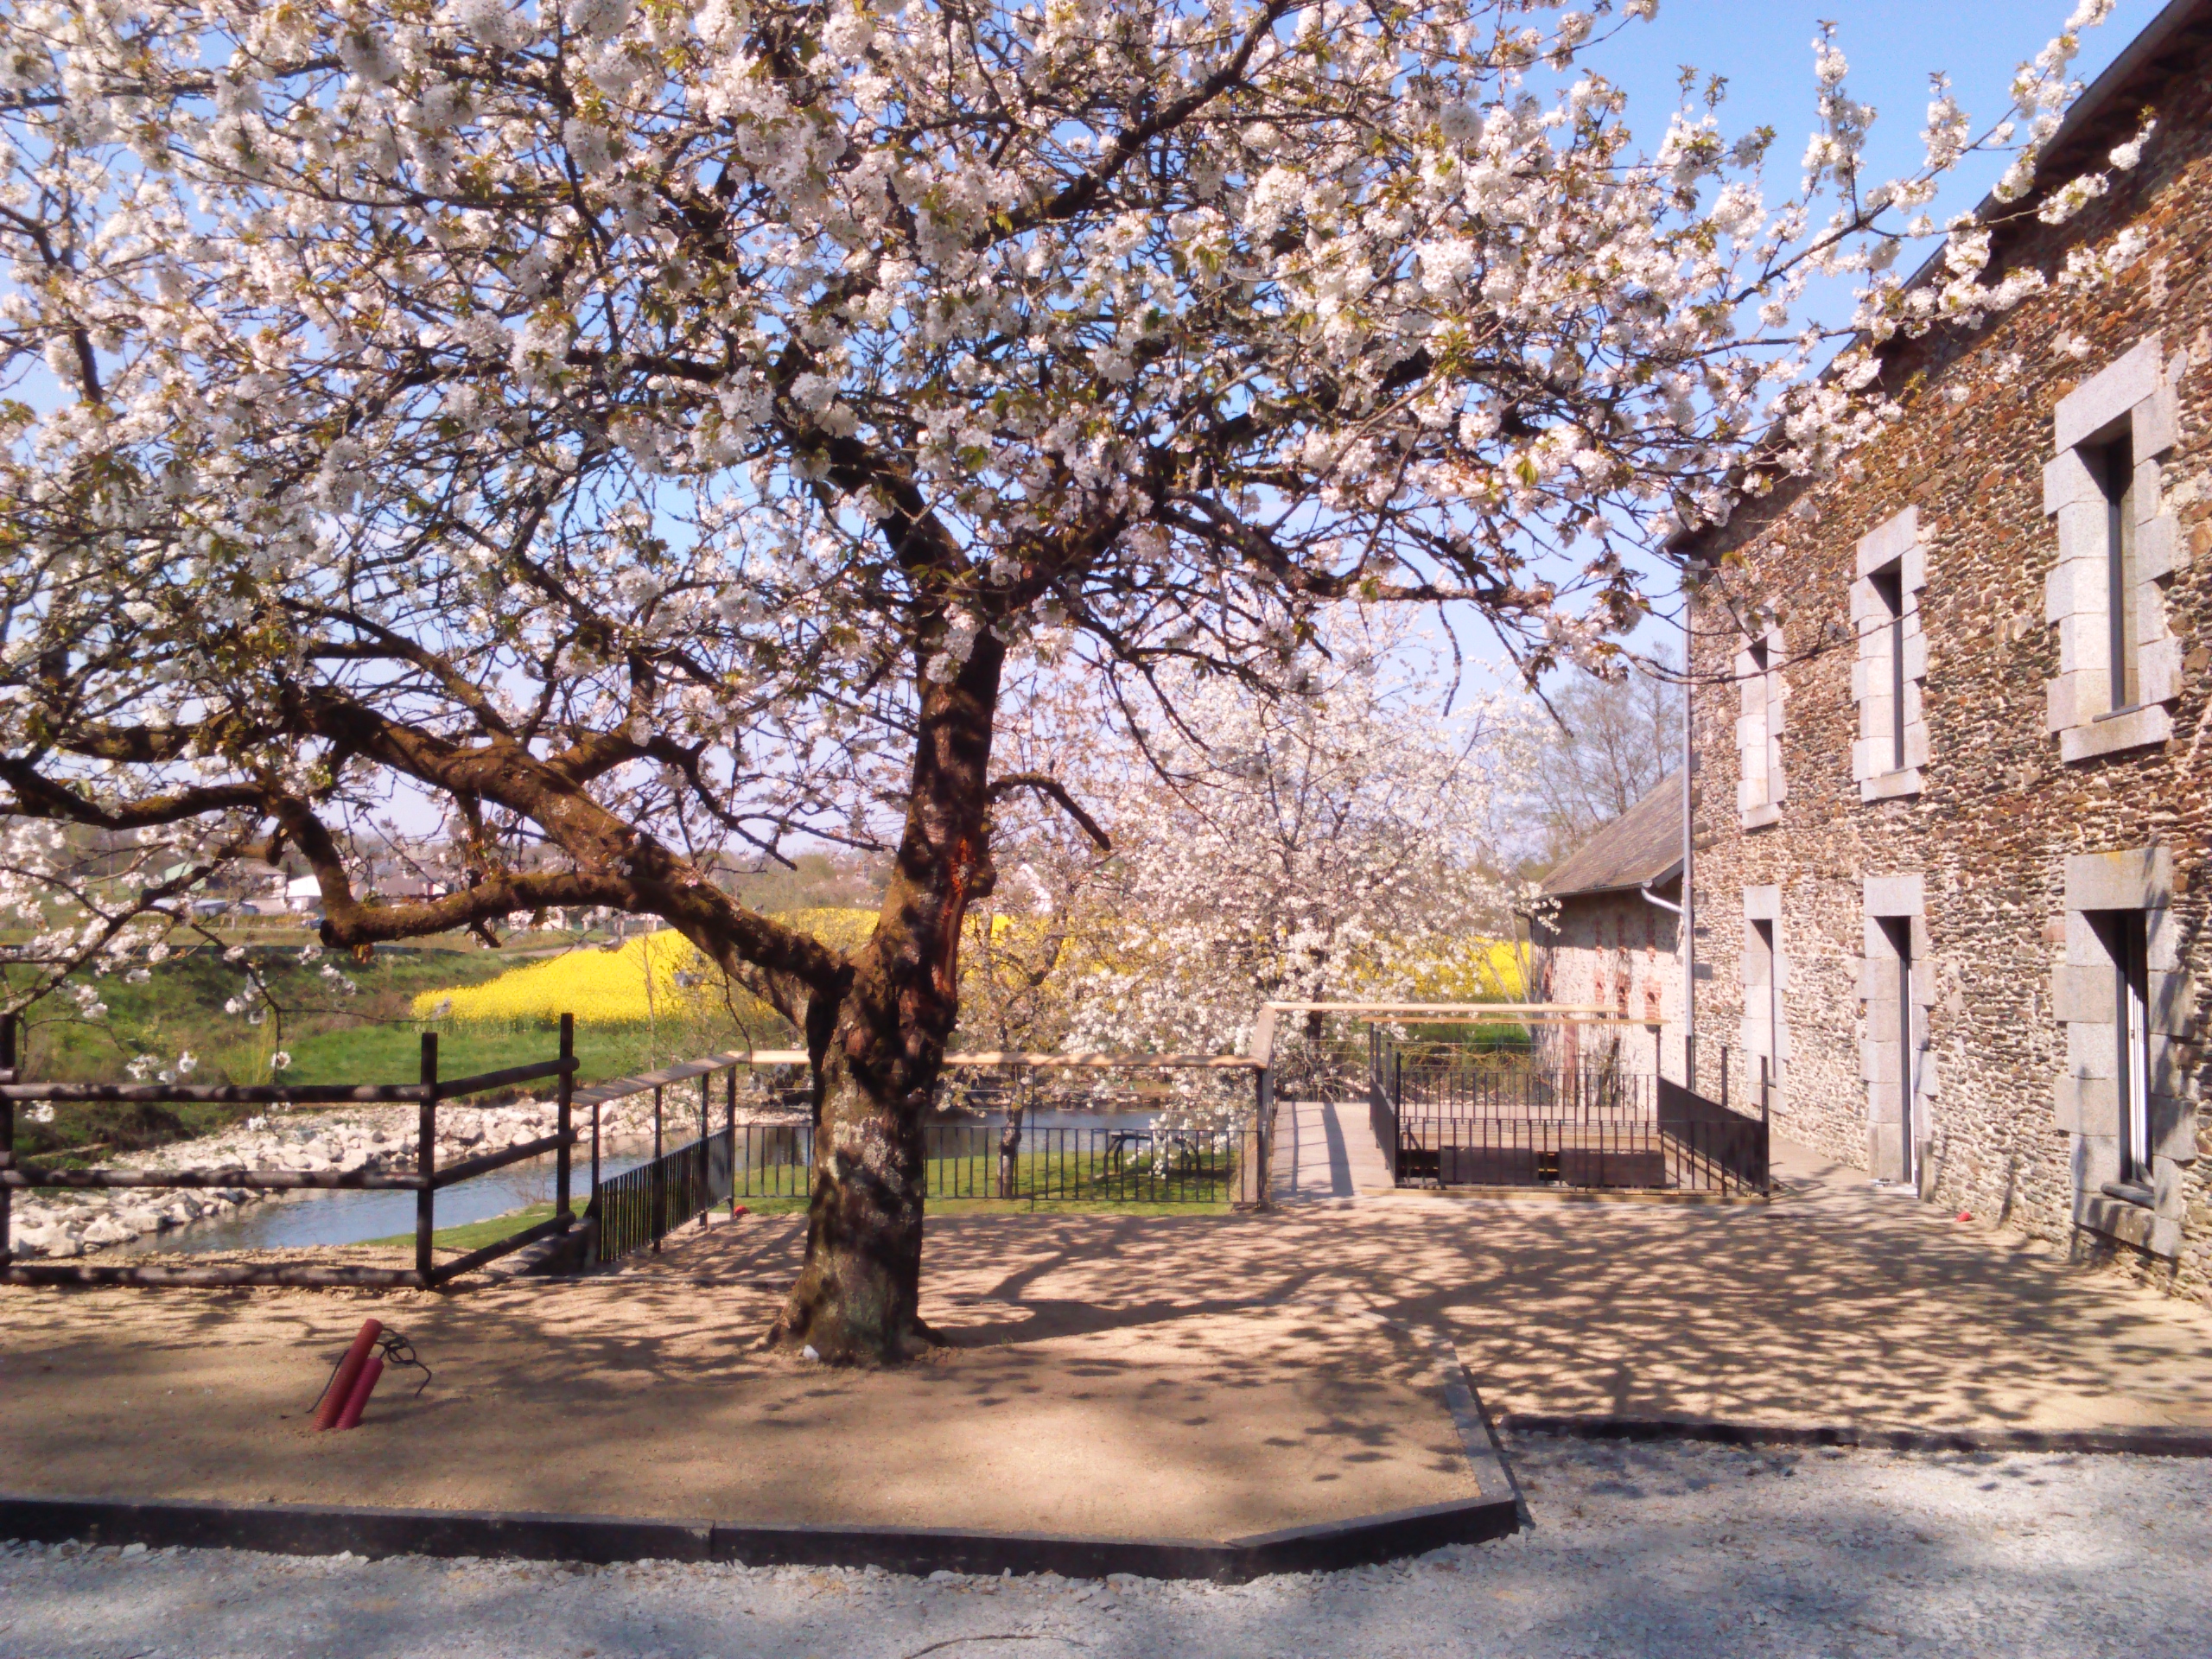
(1684, 1550)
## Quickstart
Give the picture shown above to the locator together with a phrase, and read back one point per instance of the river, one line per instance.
(321, 1217)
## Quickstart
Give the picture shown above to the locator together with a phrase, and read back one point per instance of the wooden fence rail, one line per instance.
(424, 1180)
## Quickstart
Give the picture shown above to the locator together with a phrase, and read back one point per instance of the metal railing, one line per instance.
(639, 1207)
(1525, 1122)
(759, 1162)
(424, 1180)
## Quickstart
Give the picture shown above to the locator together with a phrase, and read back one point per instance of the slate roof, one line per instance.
(1644, 845)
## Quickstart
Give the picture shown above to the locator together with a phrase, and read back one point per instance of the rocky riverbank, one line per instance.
(61, 1224)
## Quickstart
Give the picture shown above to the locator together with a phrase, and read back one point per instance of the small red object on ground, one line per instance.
(347, 1373)
(365, 1386)
(1965, 1216)
(737, 1209)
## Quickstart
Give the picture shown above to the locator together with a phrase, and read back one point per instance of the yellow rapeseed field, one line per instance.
(1472, 971)
(651, 978)
(659, 977)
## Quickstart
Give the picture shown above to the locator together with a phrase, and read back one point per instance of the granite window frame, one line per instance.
(1764, 1030)
(1897, 1060)
(1889, 678)
(2142, 1206)
(1760, 787)
(2118, 549)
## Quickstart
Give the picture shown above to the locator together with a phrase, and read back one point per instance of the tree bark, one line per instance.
(879, 1047)
(1010, 1150)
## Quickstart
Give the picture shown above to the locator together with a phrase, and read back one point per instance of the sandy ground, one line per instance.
(1201, 1376)
(1679, 1552)
(642, 1394)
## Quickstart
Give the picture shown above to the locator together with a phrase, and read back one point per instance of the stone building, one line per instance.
(1953, 800)
(1609, 934)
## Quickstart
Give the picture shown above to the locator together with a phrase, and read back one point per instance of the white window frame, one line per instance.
(1896, 1060)
(1890, 677)
(2127, 1095)
(1760, 788)
(1765, 1033)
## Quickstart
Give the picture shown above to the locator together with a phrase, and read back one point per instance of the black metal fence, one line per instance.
(1496, 1120)
(768, 1162)
(639, 1207)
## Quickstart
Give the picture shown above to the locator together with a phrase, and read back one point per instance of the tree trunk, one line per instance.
(1010, 1150)
(879, 1047)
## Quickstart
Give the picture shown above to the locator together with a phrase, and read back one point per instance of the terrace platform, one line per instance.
(1195, 1376)
(1158, 1412)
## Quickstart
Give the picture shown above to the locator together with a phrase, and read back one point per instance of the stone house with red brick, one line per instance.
(1953, 820)
(1607, 933)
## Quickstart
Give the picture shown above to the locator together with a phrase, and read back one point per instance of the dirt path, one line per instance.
(1659, 1552)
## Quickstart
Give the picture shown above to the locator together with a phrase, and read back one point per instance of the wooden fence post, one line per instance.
(706, 1104)
(730, 1123)
(561, 1159)
(1263, 1089)
(426, 1161)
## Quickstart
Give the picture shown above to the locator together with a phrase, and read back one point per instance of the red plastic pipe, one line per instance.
(349, 1372)
(351, 1417)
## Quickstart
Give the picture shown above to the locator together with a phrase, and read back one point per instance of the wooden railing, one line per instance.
(425, 1180)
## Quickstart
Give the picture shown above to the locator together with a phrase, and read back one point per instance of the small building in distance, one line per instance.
(1600, 940)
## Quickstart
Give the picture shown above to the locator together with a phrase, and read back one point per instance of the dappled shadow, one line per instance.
(643, 1391)
(1204, 1374)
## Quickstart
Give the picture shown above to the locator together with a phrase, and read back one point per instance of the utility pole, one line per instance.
(1689, 901)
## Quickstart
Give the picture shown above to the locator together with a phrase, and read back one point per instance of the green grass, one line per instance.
(1081, 1181)
(786, 1206)
(475, 1235)
(393, 1054)
(367, 1035)
(1071, 1207)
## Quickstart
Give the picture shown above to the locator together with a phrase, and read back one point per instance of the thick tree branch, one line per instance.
(1051, 787)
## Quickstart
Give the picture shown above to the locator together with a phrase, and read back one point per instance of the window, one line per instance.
(2126, 1097)
(1896, 1060)
(2119, 662)
(2116, 477)
(2125, 935)
(1893, 665)
(1889, 588)
(1897, 931)
(1764, 1039)
(1758, 729)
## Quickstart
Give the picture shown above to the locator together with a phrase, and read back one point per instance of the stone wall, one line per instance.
(1615, 950)
(2012, 785)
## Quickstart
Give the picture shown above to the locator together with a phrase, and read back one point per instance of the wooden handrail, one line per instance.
(251, 1180)
(448, 1089)
(485, 1162)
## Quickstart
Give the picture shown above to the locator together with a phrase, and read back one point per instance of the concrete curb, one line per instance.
(322, 1529)
(2130, 1442)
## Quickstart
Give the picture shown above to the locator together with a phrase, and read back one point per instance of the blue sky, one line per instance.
(1763, 49)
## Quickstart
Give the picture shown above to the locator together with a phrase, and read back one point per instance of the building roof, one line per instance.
(2105, 113)
(2092, 122)
(1641, 846)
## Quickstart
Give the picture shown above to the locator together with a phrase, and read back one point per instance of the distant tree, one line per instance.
(1345, 844)
(1610, 743)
